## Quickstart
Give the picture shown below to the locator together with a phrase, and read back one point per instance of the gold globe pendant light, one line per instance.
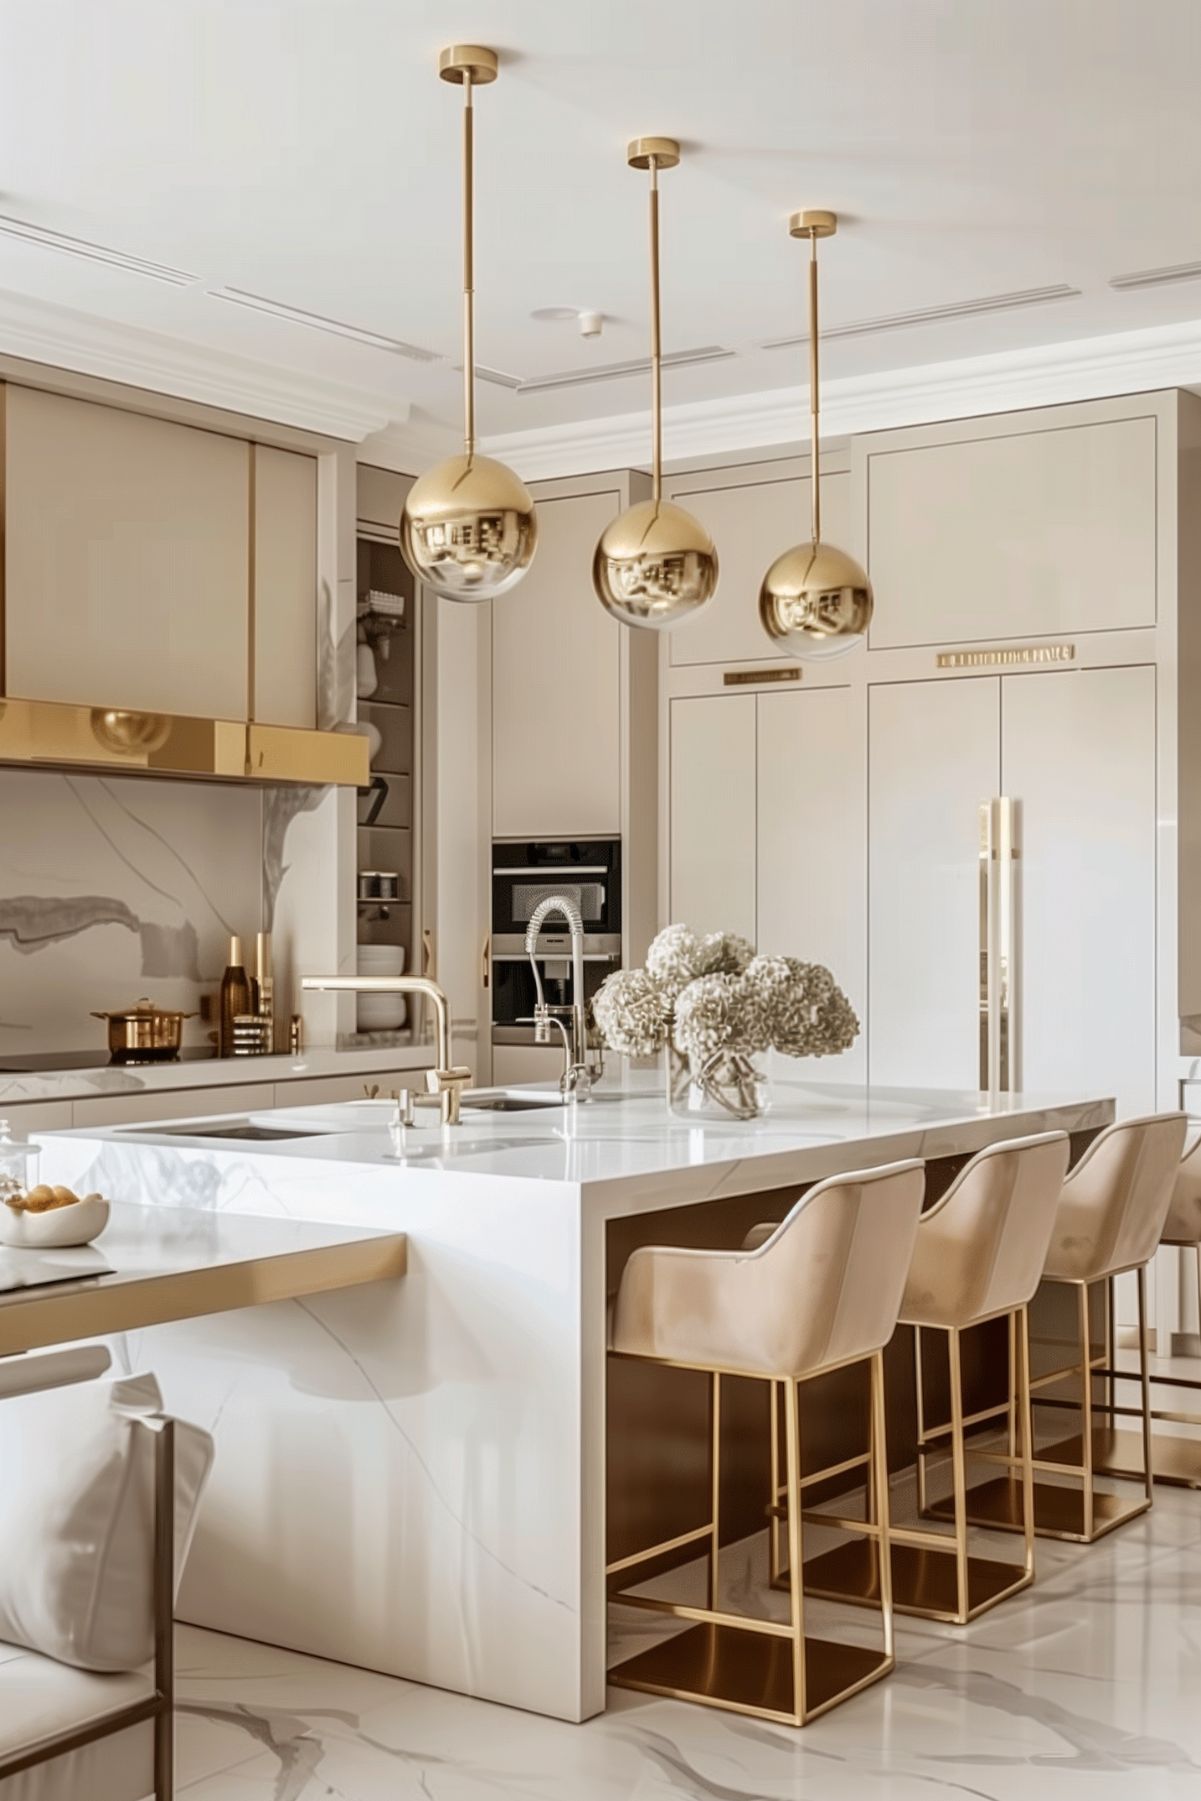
(816, 600)
(655, 565)
(468, 530)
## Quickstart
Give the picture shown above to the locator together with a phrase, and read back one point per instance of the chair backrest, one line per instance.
(1115, 1202)
(980, 1250)
(1183, 1224)
(827, 1284)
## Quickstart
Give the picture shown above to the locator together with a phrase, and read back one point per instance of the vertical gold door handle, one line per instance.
(427, 952)
(486, 962)
(989, 964)
(1007, 944)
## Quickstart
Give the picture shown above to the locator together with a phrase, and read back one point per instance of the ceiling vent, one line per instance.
(934, 315)
(29, 233)
(1157, 278)
(580, 378)
(338, 328)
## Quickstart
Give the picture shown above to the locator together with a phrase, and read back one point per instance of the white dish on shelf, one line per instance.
(78, 1223)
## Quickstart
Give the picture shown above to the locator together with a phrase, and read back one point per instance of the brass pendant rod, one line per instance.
(656, 344)
(468, 266)
(815, 498)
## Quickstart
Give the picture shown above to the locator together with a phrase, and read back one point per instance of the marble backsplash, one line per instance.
(116, 887)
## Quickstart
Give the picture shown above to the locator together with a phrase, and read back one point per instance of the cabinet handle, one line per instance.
(486, 962)
(427, 951)
(986, 958)
(1007, 939)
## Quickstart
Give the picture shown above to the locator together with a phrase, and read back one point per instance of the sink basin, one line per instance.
(240, 1128)
(508, 1103)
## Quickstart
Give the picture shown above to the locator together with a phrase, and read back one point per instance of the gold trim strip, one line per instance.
(1006, 656)
(174, 744)
(41, 1317)
(3, 537)
(252, 454)
(746, 678)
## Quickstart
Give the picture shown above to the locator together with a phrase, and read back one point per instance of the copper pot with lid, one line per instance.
(144, 1033)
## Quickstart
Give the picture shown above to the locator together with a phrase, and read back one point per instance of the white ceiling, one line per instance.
(304, 150)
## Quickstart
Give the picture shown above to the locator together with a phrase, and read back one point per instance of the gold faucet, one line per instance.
(447, 1080)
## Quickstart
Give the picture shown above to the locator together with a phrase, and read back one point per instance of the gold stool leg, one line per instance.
(1145, 1387)
(714, 1487)
(958, 1477)
(881, 1511)
(773, 1514)
(1020, 1377)
(796, 1564)
(1086, 1412)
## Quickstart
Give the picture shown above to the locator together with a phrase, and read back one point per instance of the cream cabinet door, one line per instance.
(811, 818)
(1078, 757)
(934, 756)
(751, 525)
(713, 826)
(1021, 535)
(556, 686)
(127, 559)
(285, 587)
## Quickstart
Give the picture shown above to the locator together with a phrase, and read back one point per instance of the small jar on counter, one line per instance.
(18, 1163)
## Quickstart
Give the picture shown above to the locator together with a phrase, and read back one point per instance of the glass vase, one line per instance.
(726, 1085)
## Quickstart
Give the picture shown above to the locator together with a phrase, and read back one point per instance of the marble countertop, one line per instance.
(623, 1147)
(169, 1263)
(109, 1079)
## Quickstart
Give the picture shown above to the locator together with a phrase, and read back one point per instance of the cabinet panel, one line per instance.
(811, 862)
(26, 1117)
(1078, 757)
(1014, 536)
(713, 825)
(934, 756)
(556, 686)
(751, 525)
(381, 498)
(127, 559)
(285, 587)
(518, 1064)
(319, 1091)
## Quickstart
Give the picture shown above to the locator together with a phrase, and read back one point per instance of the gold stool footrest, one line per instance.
(745, 1673)
(1058, 1512)
(1176, 1461)
(923, 1580)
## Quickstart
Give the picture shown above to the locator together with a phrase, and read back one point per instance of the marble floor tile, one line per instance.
(1086, 1687)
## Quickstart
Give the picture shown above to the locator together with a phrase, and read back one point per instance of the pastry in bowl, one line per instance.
(46, 1218)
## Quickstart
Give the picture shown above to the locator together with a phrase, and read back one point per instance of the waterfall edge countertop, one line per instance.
(623, 1150)
(432, 1452)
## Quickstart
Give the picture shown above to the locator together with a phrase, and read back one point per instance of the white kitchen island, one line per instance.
(411, 1477)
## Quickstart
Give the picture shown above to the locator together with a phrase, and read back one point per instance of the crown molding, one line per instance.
(409, 446)
(1166, 356)
(42, 332)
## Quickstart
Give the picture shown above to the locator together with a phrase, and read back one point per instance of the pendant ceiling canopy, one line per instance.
(816, 600)
(655, 565)
(469, 529)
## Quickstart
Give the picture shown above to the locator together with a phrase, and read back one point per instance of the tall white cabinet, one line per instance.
(1074, 752)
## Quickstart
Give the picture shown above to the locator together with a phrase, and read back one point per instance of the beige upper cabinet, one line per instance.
(556, 685)
(127, 559)
(1021, 527)
(285, 587)
(381, 498)
(751, 523)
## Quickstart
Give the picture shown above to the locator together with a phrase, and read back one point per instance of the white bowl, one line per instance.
(381, 1012)
(57, 1229)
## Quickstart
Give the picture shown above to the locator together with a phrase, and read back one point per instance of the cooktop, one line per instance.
(12, 1063)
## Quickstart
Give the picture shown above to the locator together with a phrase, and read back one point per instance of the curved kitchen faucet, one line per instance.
(578, 1075)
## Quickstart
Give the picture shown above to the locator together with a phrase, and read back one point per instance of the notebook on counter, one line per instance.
(38, 1269)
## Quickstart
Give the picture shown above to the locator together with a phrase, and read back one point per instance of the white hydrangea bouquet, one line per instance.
(713, 1005)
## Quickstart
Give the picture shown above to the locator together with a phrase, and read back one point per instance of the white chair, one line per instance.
(72, 1733)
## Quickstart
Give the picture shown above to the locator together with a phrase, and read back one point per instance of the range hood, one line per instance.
(53, 734)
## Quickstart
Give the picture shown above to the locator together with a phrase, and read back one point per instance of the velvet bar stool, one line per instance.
(1111, 1216)
(819, 1294)
(979, 1255)
(1174, 1460)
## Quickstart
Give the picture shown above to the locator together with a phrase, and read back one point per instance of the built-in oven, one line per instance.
(588, 872)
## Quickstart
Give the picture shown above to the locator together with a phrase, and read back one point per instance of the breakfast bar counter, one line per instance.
(411, 1476)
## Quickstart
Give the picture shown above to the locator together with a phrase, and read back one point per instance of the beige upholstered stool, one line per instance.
(979, 1256)
(820, 1293)
(1111, 1216)
(1174, 1460)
